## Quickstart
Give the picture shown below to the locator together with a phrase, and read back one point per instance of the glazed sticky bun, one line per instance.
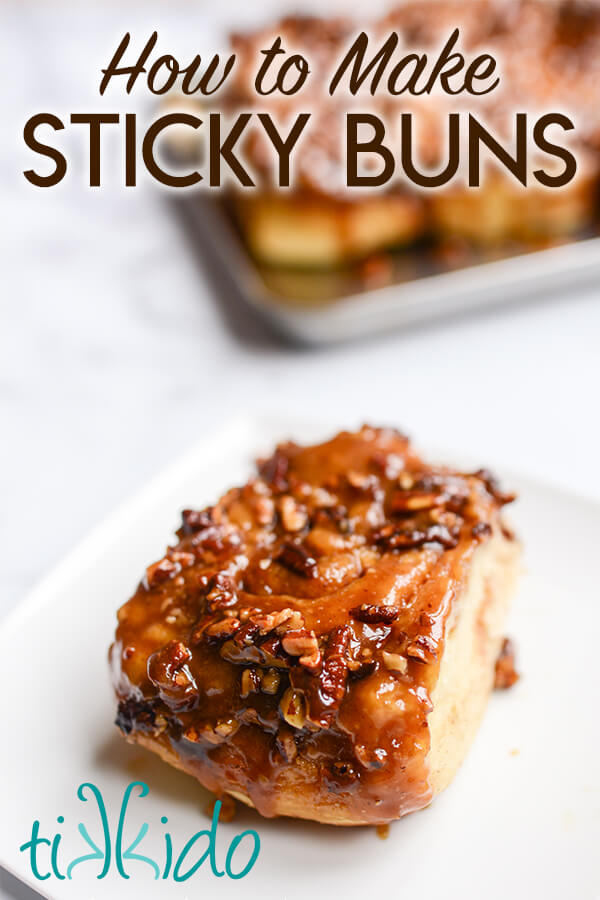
(321, 642)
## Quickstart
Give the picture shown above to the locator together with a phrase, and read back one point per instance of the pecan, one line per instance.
(390, 538)
(303, 644)
(247, 634)
(193, 734)
(493, 487)
(250, 682)
(395, 662)
(213, 734)
(265, 510)
(360, 668)
(293, 708)
(282, 620)
(272, 654)
(222, 629)
(414, 501)
(193, 520)
(274, 470)
(241, 648)
(374, 615)
(362, 481)
(335, 668)
(246, 612)
(452, 491)
(293, 516)
(296, 558)
(269, 681)
(160, 571)
(221, 592)
(168, 671)
(226, 727)
(422, 648)
(217, 539)
(324, 692)
(505, 673)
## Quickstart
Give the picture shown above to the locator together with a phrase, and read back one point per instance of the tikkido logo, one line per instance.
(46, 856)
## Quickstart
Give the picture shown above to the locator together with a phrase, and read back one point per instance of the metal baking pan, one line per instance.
(324, 307)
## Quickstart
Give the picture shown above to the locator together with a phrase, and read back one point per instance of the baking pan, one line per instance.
(420, 283)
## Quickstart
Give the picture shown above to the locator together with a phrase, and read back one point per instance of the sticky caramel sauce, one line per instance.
(285, 649)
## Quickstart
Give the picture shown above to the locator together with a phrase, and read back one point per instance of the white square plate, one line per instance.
(521, 820)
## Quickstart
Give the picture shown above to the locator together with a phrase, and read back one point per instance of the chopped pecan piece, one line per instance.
(265, 510)
(195, 520)
(223, 629)
(242, 647)
(296, 558)
(422, 648)
(226, 727)
(375, 615)
(506, 674)
(168, 671)
(274, 470)
(414, 501)
(335, 667)
(283, 620)
(363, 482)
(293, 516)
(221, 592)
(250, 682)
(271, 653)
(395, 662)
(269, 681)
(325, 690)
(160, 571)
(293, 708)
(390, 538)
(303, 644)
(212, 734)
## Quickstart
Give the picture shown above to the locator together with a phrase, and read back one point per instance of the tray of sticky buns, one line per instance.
(323, 263)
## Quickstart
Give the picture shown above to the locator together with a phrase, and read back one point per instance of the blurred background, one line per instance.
(118, 348)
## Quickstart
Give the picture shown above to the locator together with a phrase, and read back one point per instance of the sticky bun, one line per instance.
(321, 642)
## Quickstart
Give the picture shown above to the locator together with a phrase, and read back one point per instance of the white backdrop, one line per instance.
(115, 354)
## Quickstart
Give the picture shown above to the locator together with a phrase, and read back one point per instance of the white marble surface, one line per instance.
(116, 354)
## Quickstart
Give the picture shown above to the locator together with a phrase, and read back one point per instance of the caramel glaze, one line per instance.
(291, 639)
